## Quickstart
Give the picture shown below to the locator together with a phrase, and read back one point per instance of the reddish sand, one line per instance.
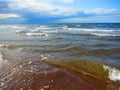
(49, 78)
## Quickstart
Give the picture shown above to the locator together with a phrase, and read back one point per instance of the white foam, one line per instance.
(34, 34)
(50, 31)
(92, 30)
(65, 28)
(2, 61)
(1, 45)
(20, 31)
(1, 57)
(110, 35)
(114, 73)
(44, 58)
(34, 31)
(42, 27)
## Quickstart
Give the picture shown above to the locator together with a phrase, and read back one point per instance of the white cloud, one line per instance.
(42, 7)
(30, 4)
(4, 16)
(45, 8)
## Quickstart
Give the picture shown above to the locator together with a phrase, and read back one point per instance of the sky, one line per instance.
(59, 11)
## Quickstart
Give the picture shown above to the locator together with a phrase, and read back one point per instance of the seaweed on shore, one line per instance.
(88, 68)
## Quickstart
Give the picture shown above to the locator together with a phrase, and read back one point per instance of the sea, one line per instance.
(99, 42)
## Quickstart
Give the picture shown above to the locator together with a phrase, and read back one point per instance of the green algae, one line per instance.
(88, 68)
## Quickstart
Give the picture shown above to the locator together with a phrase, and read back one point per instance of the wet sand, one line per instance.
(39, 75)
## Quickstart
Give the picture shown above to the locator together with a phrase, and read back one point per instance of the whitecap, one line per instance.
(109, 35)
(34, 31)
(50, 32)
(65, 28)
(91, 30)
(114, 73)
(34, 34)
(20, 31)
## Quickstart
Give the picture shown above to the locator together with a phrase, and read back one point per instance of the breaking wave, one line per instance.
(107, 35)
(114, 73)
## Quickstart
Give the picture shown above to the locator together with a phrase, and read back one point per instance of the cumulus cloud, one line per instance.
(5, 16)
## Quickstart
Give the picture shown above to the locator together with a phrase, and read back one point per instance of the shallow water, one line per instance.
(24, 47)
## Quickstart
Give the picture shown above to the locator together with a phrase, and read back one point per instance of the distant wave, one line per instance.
(93, 30)
(21, 31)
(12, 27)
(50, 32)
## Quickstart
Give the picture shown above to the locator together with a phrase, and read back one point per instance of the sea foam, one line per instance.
(107, 35)
(114, 73)
(34, 34)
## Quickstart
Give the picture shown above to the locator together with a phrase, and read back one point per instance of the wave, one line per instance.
(50, 32)
(82, 33)
(104, 51)
(92, 30)
(12, 27)
(114, 73)
(42, 27)
(107, 35)
(20, 31)
(36, 34)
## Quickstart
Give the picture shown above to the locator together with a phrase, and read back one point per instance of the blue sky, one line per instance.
(59, 11)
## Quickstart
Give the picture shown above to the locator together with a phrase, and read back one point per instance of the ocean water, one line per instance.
(60, 42)
(97, 42)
